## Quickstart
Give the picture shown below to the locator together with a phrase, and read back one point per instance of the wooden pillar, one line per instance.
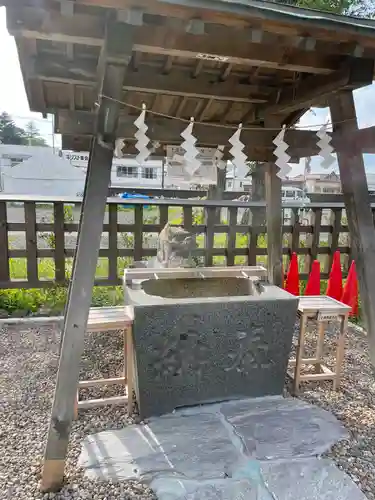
(217, 192)
(115, 56)
(358, 208)
(258, 193)
(274, 224)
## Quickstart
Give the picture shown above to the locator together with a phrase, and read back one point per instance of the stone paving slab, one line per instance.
(261, 449)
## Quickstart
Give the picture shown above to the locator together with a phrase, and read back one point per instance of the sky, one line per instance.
(13, 100)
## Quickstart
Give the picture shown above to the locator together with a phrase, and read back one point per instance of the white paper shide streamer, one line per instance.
(142, 139)
(281, 155)
(191, 161)
(325, 147)
(239, 158)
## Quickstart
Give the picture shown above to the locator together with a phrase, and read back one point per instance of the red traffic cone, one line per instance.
(313, 283)
(350, 292)
(292, 278)
(334, 288)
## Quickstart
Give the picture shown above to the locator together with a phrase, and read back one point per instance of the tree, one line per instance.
(9, 132)
(362, 8)
(33, 135)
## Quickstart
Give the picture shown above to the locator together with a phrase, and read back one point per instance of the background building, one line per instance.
(41, 173)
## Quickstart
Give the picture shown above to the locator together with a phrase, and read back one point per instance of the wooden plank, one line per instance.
(138, 233)
(315, 236)
(95, 403)
(295, 234)
(31, 243)
(253, 245)
(4, 247)
(85, 384)
(317, 376)
(334, 236)
(147, 80)
(314, 304)
(209, 236)
(235, 48)
(340, 351)
(274, 225)
(188, 218)
(35, 23)
(59, 235)
(232, 234)
(168, 131)
(362, 141)
(163, 214)
(112, 243)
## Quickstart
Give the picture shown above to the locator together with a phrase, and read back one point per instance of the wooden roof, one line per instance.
(223, 62)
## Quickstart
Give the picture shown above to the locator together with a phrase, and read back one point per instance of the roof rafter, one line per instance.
(355, 73)
(83, 72)
(236, 48)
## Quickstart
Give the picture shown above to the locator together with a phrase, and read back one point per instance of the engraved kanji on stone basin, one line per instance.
(202, 338)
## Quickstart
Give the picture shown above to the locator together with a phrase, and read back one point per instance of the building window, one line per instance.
(149, 173)
(247, 188)
(123, 171)
(15, 161)
(229, 184)
(329, 190)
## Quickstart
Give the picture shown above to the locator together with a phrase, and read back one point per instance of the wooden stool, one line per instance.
(103, 319)
(322, 309)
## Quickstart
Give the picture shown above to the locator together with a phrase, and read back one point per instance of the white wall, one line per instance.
(48, 187)
(80, 160)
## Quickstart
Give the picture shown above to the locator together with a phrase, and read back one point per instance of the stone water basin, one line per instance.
(204, 336)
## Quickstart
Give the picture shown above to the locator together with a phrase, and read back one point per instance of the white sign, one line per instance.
(204, 153)
(212, 57)
(326, 316)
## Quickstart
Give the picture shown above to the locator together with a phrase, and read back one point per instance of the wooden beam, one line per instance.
(354, 74)
(85, 261)
(302, 143)
(168, 130)
(38, 23)
(148, 80)
(235, 48)
(232, 47)
(243, 16)
(82, 143)
(358, 209)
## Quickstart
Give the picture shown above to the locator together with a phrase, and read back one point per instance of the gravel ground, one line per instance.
(28, 364)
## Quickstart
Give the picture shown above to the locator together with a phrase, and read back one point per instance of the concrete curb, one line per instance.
(31, 321)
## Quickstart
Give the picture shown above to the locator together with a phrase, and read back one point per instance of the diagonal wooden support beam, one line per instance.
(313, 89)
(86, 257)
(358, 209)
